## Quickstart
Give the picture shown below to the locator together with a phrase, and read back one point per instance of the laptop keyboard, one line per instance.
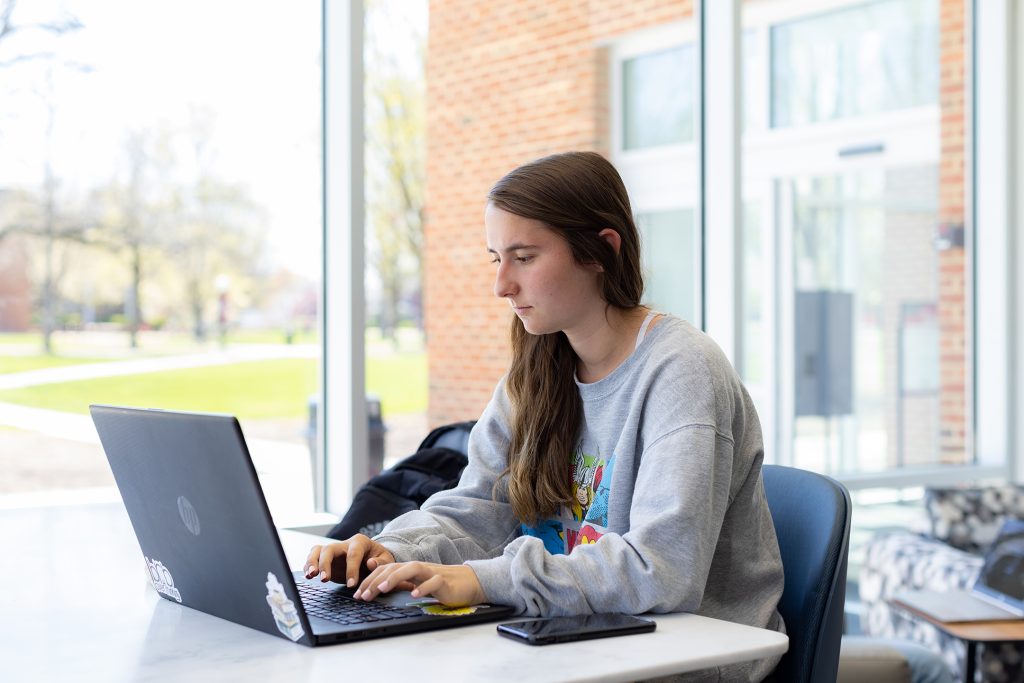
(328, 602)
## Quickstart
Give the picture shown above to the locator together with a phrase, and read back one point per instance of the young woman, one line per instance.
(617, 467)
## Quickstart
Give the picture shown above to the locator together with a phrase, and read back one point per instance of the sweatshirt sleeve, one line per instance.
(466, 522)
(660, 565)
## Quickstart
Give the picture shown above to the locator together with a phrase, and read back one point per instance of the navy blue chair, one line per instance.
(811, 513)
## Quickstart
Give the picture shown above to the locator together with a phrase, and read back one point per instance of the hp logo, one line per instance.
(188, 515)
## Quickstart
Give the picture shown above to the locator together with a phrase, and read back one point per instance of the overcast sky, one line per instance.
(255, 65)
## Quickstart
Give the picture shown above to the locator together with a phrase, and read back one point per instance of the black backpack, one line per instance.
(435, 466)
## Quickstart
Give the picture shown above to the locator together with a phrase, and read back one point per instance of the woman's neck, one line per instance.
(605, 344)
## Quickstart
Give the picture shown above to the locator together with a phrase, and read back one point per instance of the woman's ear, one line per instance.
(611, 237)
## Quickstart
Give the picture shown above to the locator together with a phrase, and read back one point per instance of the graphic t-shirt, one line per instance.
(586, 519)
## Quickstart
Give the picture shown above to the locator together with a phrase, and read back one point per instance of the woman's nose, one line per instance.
(504, 287)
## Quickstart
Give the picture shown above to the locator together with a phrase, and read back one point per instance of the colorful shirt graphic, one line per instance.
(586, 519)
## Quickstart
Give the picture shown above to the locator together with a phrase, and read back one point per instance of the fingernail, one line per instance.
(357, 596)
(323, 576)
(415, 593)
(384, 586)
(351, 582)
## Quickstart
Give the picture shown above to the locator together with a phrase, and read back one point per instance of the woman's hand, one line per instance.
(454, 585)
(342, 561)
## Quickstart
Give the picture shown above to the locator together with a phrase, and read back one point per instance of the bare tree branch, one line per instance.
(25, 58)
(65, 24)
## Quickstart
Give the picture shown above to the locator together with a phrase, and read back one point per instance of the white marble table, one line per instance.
(76, 605)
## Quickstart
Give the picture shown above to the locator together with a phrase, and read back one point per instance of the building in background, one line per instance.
(855, 264)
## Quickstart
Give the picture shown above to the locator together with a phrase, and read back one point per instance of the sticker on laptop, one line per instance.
(285, 616)
(162, 579)
(433, 607)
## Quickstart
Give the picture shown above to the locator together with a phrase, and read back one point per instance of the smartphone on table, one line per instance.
(567, 629)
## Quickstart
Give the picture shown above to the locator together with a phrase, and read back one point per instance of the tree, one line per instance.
(135, 214)
(45, 221)
(218, 227)
(395, 142)
(9, 29)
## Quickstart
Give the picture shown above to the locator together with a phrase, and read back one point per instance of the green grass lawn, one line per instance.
(251, 390)
(19, 338)
(400, 381)
(9, 364)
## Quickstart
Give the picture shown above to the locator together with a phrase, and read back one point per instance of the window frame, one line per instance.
(342, 419)
(664, 177)
(990, 229)
(1017, 170)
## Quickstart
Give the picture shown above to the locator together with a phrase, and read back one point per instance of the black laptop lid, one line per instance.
(1002, 576)
(200, 517)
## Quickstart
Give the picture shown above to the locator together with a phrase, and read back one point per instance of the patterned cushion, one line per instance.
(969, 519)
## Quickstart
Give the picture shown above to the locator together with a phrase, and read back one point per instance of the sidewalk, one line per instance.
(238, 354)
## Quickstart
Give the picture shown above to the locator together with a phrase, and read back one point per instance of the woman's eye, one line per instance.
(524, 259)
(495, 260)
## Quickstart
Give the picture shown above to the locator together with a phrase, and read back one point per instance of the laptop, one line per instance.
(209, 542)
(998, 593)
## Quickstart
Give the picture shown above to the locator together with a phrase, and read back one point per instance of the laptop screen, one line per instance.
(1002, 575)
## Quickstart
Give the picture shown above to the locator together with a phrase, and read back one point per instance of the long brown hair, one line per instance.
(577, 195)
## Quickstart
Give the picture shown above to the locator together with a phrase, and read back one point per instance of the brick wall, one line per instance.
(506, 83)
(908, 276)
(15, 285)
(953, 340)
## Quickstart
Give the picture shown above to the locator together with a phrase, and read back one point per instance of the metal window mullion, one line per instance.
(1017, 164)
(991, 237)
(719, 143)
(343, 420)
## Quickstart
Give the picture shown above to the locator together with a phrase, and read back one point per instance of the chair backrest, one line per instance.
(454, 436)
(811, 513)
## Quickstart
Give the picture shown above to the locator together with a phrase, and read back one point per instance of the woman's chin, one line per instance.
(538, 331)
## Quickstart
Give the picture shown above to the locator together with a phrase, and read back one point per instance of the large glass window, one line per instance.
(658, 98)
(855, 320)
(654, 89)
(860, 170)
(866, 347)
(864, 59)
(160, 230)
(396, 138)
(669, 250)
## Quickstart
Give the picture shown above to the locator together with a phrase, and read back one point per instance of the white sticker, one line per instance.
(162, 579)
(285, 616)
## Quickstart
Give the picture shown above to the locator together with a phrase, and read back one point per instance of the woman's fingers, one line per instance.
(434, 586)
(312, 566)
(327, 555)
(343, 560)
(383, 579)
(452, 585)
(353, 560)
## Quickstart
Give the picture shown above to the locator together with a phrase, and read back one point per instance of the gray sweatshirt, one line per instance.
(669, 514)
